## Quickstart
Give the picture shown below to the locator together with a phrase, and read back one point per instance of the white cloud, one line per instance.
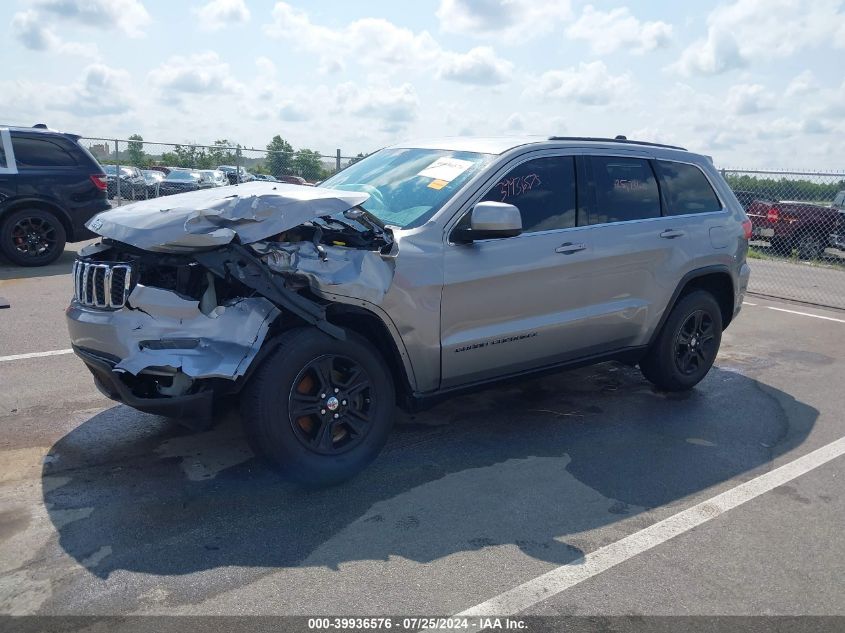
(749, 99)
(101, 91)
(127, 16)
(761, 30)
(30, 30)
(478, 66)
(588, 84)
(515, 122)
(218, 14)
(379, 42)
(802, 84)
(609, 31)
(293, 111)
(394, 106)
(509, 19)
(198, 74)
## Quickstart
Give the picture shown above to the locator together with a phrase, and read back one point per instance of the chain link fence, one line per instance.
(139, 169)
(797, 250)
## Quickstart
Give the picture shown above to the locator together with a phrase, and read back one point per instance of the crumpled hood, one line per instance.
(212, 217)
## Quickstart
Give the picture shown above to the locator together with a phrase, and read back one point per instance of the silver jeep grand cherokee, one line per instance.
(419, 271)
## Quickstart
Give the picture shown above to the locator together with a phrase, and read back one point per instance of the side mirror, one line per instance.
(490, 220)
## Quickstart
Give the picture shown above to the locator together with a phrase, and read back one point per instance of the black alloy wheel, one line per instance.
(329, 404)
(695, 343)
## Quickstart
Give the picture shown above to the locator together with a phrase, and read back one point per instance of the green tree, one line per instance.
(357, 157)
(308, 164)
(222, 153)
(135, 152)
(280, 156)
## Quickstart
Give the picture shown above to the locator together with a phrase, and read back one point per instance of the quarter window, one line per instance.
(38, 152)
(686, 189)
(625, 189)
(543, 190)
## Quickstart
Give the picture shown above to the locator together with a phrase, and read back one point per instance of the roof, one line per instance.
(38, 130)
(501, 144)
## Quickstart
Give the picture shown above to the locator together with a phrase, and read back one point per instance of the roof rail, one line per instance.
(618, 139)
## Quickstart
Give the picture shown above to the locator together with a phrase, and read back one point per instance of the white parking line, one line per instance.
(561, 578)
(748, 303)
(815, 316)
(55, 352)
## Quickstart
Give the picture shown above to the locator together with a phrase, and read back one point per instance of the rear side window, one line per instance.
(543, 190)
(625, 189)
(40, 152)
(686, 189)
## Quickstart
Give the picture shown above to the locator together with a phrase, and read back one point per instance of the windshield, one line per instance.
(408, 186)
(183, 175)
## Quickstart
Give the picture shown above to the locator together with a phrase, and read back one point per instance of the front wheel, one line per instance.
(319, 409)
(686, 346)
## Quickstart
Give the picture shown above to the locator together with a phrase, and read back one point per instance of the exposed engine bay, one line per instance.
(169, 320)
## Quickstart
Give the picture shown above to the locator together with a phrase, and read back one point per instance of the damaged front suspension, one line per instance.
(235, 261)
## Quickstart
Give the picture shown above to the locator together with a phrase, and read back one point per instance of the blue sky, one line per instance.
(754, 83)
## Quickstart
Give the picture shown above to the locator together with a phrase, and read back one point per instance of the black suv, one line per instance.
(50, 186)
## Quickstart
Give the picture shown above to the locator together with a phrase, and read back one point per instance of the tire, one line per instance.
(781, 246)
(810, 246)
(309, 373)
(31, 237)
(673, 365)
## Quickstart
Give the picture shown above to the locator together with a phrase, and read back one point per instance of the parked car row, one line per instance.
(139, 184)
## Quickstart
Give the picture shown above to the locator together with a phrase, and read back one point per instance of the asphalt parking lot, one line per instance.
(495, 498)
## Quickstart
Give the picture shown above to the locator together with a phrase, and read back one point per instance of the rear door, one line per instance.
(8, 170)
(636, 251)
(653, 222)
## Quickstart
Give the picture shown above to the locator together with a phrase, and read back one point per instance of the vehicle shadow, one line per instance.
(62, 266)
(534, 465)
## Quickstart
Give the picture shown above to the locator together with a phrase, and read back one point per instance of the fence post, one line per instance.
(237, 166)
(337, 161)
(117, 169)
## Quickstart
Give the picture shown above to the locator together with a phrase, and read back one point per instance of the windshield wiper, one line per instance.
(360, 214)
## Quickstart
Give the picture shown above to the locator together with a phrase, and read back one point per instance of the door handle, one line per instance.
(671, 234)
(567, 248)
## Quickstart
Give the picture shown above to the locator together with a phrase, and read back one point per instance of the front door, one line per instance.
(516, 303)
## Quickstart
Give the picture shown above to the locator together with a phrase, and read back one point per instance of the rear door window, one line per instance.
(625, 189)
(686, 189)
(40, 152)
(543, 189)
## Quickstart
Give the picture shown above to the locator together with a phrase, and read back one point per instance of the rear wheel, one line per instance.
(781, 246)
(319, 409)
(810, 246)
(687, 344)
(32, 237)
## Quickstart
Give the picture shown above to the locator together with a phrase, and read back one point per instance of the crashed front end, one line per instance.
(177, 303)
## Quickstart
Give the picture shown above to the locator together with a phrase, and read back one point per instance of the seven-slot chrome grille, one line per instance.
(101, 284)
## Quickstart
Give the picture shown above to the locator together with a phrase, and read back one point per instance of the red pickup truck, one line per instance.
(807, 228)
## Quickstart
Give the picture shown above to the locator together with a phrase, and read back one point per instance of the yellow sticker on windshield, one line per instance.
(437, 184)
